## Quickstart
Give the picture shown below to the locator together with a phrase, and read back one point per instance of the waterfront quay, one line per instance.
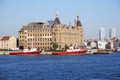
(4, 52)
(95, 51)
(7, 53)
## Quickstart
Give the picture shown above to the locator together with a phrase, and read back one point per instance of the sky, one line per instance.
(94, 14)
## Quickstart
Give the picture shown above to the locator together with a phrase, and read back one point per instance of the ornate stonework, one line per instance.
(42, 35)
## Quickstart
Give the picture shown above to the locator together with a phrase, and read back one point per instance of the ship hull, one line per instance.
(68, 53)
(25, 53)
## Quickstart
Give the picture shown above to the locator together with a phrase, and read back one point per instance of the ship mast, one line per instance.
(32, 41)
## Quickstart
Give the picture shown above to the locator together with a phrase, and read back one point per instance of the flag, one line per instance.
(51, 22)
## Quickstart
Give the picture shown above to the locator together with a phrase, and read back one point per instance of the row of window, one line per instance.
(5, 44)
(47, 30)
(39, 34)
(32, 35)
(39, 39)
(41, 44)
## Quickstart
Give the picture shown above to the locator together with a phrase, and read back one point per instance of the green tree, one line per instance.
(38, 48)
(66, 47)
(55, 46)
(107, 46)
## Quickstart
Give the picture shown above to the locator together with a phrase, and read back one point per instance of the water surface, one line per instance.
(70, 67)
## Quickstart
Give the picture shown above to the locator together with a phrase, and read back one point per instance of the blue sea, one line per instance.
(57, 67)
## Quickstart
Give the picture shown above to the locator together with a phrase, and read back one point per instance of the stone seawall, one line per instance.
(4, 52)
(7, 52)
(44, 52)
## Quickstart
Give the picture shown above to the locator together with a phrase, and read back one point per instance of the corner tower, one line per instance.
(78, 23)
(57, 21)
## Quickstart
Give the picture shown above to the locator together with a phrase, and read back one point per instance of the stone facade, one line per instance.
(42, 35)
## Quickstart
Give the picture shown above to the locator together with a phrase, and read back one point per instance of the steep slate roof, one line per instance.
(79, 23)
(57, 21)
(34, 26)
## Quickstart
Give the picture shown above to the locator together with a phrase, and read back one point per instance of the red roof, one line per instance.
(5, 38)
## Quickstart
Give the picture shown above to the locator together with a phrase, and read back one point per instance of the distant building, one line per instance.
(112, 32)
(102, 44)
(116, 42)
(8, 42)
(102, 33)
(92, 44)
(41, 35)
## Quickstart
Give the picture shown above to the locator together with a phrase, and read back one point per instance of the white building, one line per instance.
(102, 44)
(102, 33)
(93, 44)
(8, 42)
(112, 32)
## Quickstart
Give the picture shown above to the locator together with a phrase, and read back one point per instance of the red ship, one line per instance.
(32, 51)
(71, 51)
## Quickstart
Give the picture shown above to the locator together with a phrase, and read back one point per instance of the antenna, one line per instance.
(70, 23)
(78, 17)
(57, 14)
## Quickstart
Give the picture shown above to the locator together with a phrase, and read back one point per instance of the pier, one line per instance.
(99, 51)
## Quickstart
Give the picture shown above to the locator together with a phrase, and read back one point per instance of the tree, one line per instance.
(55, 46)
(66, 47)
(107, 46)
(38, 48)
(21, 47)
